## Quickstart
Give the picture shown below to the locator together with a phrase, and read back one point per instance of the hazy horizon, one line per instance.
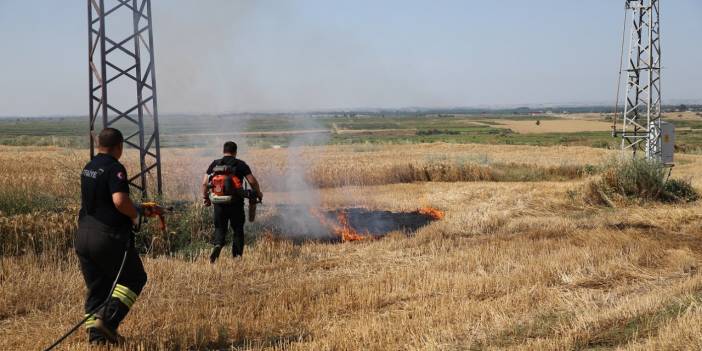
(313, 55)
(545, 106)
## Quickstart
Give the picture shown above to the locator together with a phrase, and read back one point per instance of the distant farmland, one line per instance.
(265, 131)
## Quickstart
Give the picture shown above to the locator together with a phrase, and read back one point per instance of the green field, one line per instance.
(268, 130)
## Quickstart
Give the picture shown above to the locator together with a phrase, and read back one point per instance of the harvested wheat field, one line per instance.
(521, 260)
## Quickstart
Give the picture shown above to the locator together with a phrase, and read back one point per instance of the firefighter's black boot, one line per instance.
(215, 253)
(110, 335)
(95, 337)
(109, 319)
(113, 313)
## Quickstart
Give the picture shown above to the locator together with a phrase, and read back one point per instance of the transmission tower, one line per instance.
(641, 128)
(123, 80)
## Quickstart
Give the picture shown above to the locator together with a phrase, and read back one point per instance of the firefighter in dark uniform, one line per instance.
(104, 235)
(232, 214)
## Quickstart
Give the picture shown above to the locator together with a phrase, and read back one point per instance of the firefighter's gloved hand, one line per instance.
(259, 195)
(207, 202)
(136, 223)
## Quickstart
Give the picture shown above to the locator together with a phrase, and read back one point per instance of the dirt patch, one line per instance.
(376, 131)
(554, 126)
(266, 133)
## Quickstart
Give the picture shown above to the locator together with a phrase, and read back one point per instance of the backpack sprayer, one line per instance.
(224, 188)
(148, 209)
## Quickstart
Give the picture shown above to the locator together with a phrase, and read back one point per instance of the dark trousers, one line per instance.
(100, 249)
(230, 215)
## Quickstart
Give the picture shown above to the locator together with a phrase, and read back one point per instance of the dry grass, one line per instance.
(638, 181)
(390, 164)
(40, 214)
(681, 116)
(515, 265)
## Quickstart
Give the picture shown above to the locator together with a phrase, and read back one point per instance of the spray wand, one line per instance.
(153, 209)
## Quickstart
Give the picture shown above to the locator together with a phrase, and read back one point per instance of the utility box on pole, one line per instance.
(663, 145)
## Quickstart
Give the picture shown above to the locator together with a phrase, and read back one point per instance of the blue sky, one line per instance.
(219, 56)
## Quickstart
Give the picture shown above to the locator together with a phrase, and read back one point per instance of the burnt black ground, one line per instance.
(297, 223)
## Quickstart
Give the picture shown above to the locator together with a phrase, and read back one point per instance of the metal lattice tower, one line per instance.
(123, 80)
(641, 129)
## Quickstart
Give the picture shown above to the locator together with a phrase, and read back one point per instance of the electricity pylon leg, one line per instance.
(641, 127)
(123, 81)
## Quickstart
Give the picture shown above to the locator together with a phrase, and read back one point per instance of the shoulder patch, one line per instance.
(121, 175)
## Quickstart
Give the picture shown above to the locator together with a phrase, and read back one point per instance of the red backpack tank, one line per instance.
(224, 185)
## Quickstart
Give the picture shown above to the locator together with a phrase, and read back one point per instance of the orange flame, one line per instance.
(342, 229)
(432, 213)
(345, 231)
